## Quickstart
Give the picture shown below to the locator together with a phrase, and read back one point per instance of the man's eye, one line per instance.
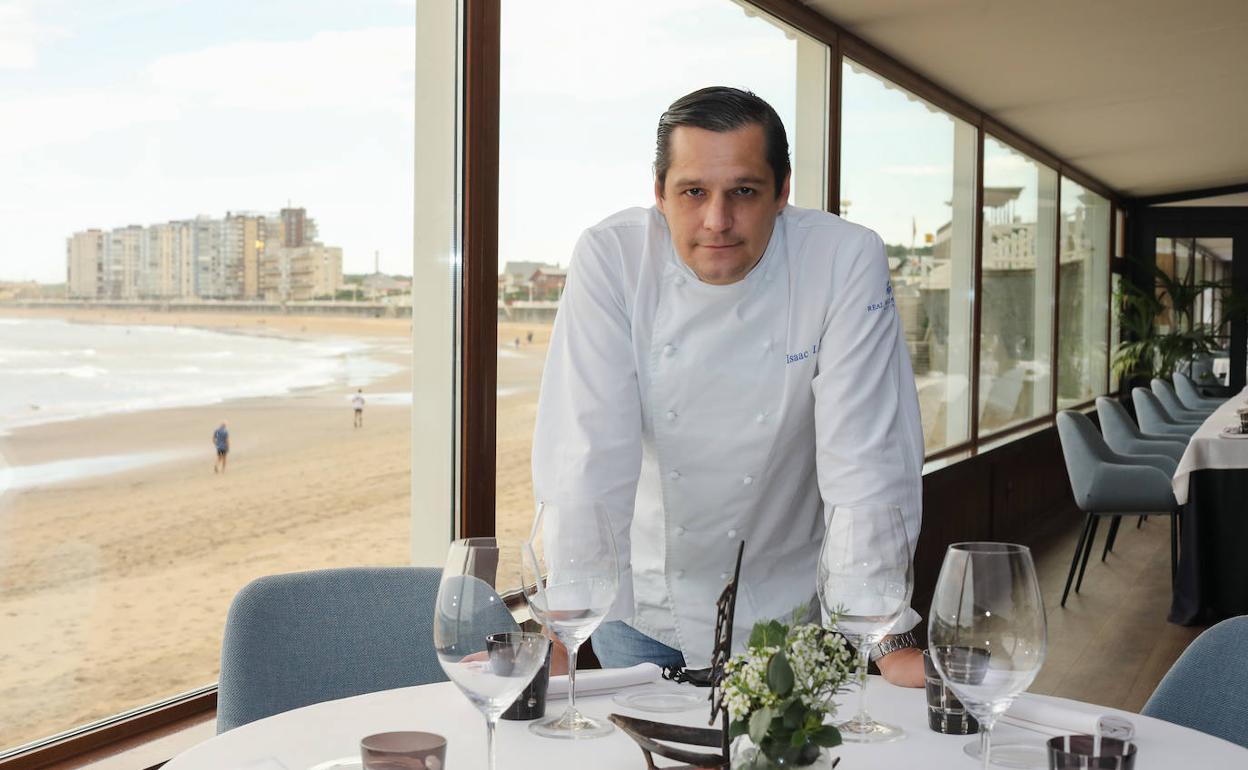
(745, 191)
(695, 192)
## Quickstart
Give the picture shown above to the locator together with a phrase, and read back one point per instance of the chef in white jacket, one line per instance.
(725, 367)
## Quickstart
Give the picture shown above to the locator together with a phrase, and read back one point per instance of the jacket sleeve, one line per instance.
(868, 433)
(587, 442)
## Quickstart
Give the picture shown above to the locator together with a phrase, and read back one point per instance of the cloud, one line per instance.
(21, 36)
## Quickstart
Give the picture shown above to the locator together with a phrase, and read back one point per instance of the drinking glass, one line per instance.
(570, 574)
(472, 633)
(865, 579)
(987, 630)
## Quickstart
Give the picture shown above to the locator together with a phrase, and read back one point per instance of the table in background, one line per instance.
(305, 737)
(1211, 484)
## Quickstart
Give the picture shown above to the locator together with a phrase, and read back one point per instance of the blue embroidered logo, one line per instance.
(888, 301)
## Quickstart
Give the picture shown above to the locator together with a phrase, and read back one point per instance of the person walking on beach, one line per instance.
(221, 440)
(357, 403)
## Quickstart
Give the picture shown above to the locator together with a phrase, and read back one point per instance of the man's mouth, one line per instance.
(719, 245)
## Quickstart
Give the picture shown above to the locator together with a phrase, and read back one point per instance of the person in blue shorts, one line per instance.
(221, 440)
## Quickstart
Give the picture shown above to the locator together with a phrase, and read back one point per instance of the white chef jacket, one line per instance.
(701, 415)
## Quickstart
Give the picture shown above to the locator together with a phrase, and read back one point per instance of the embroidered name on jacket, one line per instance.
(792, 358)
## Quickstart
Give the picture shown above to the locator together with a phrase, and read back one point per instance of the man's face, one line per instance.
(720, 200)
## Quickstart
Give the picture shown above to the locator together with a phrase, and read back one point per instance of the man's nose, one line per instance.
(717, 216)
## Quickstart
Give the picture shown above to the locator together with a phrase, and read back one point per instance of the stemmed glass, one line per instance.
(865, 579)
(474, 635)
(570, 574)
(987, 630)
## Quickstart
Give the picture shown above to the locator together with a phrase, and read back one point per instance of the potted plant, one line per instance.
(779, 693)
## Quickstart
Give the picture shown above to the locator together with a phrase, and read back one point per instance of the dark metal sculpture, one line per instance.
(650, 735)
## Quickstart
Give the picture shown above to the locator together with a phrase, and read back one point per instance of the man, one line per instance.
(357, 403)
(724, 367)
(221, 440)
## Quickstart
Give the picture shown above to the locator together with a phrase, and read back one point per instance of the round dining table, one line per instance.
(314, 735)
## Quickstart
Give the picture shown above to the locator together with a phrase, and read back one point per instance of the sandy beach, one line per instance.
(114, 588)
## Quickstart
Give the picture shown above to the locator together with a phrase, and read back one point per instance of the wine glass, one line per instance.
(570, 574)
(474, 635)
(865, 579)
(987, 629)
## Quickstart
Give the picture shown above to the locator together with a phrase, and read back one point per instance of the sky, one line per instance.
(143, 111)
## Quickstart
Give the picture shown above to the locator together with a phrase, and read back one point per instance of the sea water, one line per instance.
(52, 371)
(57, 370)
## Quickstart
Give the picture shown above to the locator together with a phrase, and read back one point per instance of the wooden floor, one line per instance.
(1111, 644)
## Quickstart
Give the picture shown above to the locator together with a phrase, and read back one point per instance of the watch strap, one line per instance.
(894, 643)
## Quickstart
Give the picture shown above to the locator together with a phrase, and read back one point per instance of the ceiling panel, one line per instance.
(1146, 95)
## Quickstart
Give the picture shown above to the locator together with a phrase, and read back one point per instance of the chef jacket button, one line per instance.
(669, 349)
(724, 576)
(674, 475)
(768, 345)
(761, 417)
(680, 530)
(680, 573)
(732, 533)
(680, 280)
(671, 415)
(747, 480)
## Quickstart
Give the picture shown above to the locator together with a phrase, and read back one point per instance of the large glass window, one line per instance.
(215, 207)
(908, 172)
(1016, 325)
(577, 123)
(1082, 316)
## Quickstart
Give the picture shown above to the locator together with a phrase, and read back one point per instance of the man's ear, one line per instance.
(782, 199)
(658, 195)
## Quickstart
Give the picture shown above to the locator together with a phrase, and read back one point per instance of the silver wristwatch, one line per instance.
(894, 643)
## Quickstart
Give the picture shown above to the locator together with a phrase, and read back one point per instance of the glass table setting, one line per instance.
(987, 642)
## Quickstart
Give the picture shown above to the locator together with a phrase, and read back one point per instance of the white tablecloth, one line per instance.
(305, 737)
(1207, 449)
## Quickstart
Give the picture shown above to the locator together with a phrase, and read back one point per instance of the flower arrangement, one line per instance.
(780, 689)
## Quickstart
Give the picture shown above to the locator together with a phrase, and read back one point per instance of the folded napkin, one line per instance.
(1051, 718)
(602, 681)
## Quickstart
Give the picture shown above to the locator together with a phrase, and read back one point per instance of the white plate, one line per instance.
(661, 700)
(1232, 431)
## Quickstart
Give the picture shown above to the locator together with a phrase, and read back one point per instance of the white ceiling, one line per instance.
(1149, 96)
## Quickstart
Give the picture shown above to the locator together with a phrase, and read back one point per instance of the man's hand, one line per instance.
(903, 667)
(559, 657)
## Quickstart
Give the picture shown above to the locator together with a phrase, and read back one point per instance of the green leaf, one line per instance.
(738, 727)
(770, 634)
(760, 721)
(780, 675)
(794, 715)
(827, 736)
(798, 740)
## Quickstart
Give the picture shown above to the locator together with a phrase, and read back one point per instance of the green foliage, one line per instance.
(788, 726)
(1150, 352)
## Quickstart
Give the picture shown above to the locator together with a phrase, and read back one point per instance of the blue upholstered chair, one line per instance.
(1207, 687)
(1122, 435)
(1191, 397)
(1174, 407)
(1106, 483)
(1154, 418)
(301, 638)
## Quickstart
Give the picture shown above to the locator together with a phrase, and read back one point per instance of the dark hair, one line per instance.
(721, 109)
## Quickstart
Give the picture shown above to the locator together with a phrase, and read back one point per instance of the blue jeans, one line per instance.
(619, 645)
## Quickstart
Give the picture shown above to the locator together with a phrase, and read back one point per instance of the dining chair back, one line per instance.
(305, 637)
(1154, 418)
(1207, 687)
(1190, 395)
(1123, 437)
(1173, 406)
(1106, 483)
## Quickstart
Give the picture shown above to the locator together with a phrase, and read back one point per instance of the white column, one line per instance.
(961, 284)
(1045, 304)
(810, 140)
(435, 282)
